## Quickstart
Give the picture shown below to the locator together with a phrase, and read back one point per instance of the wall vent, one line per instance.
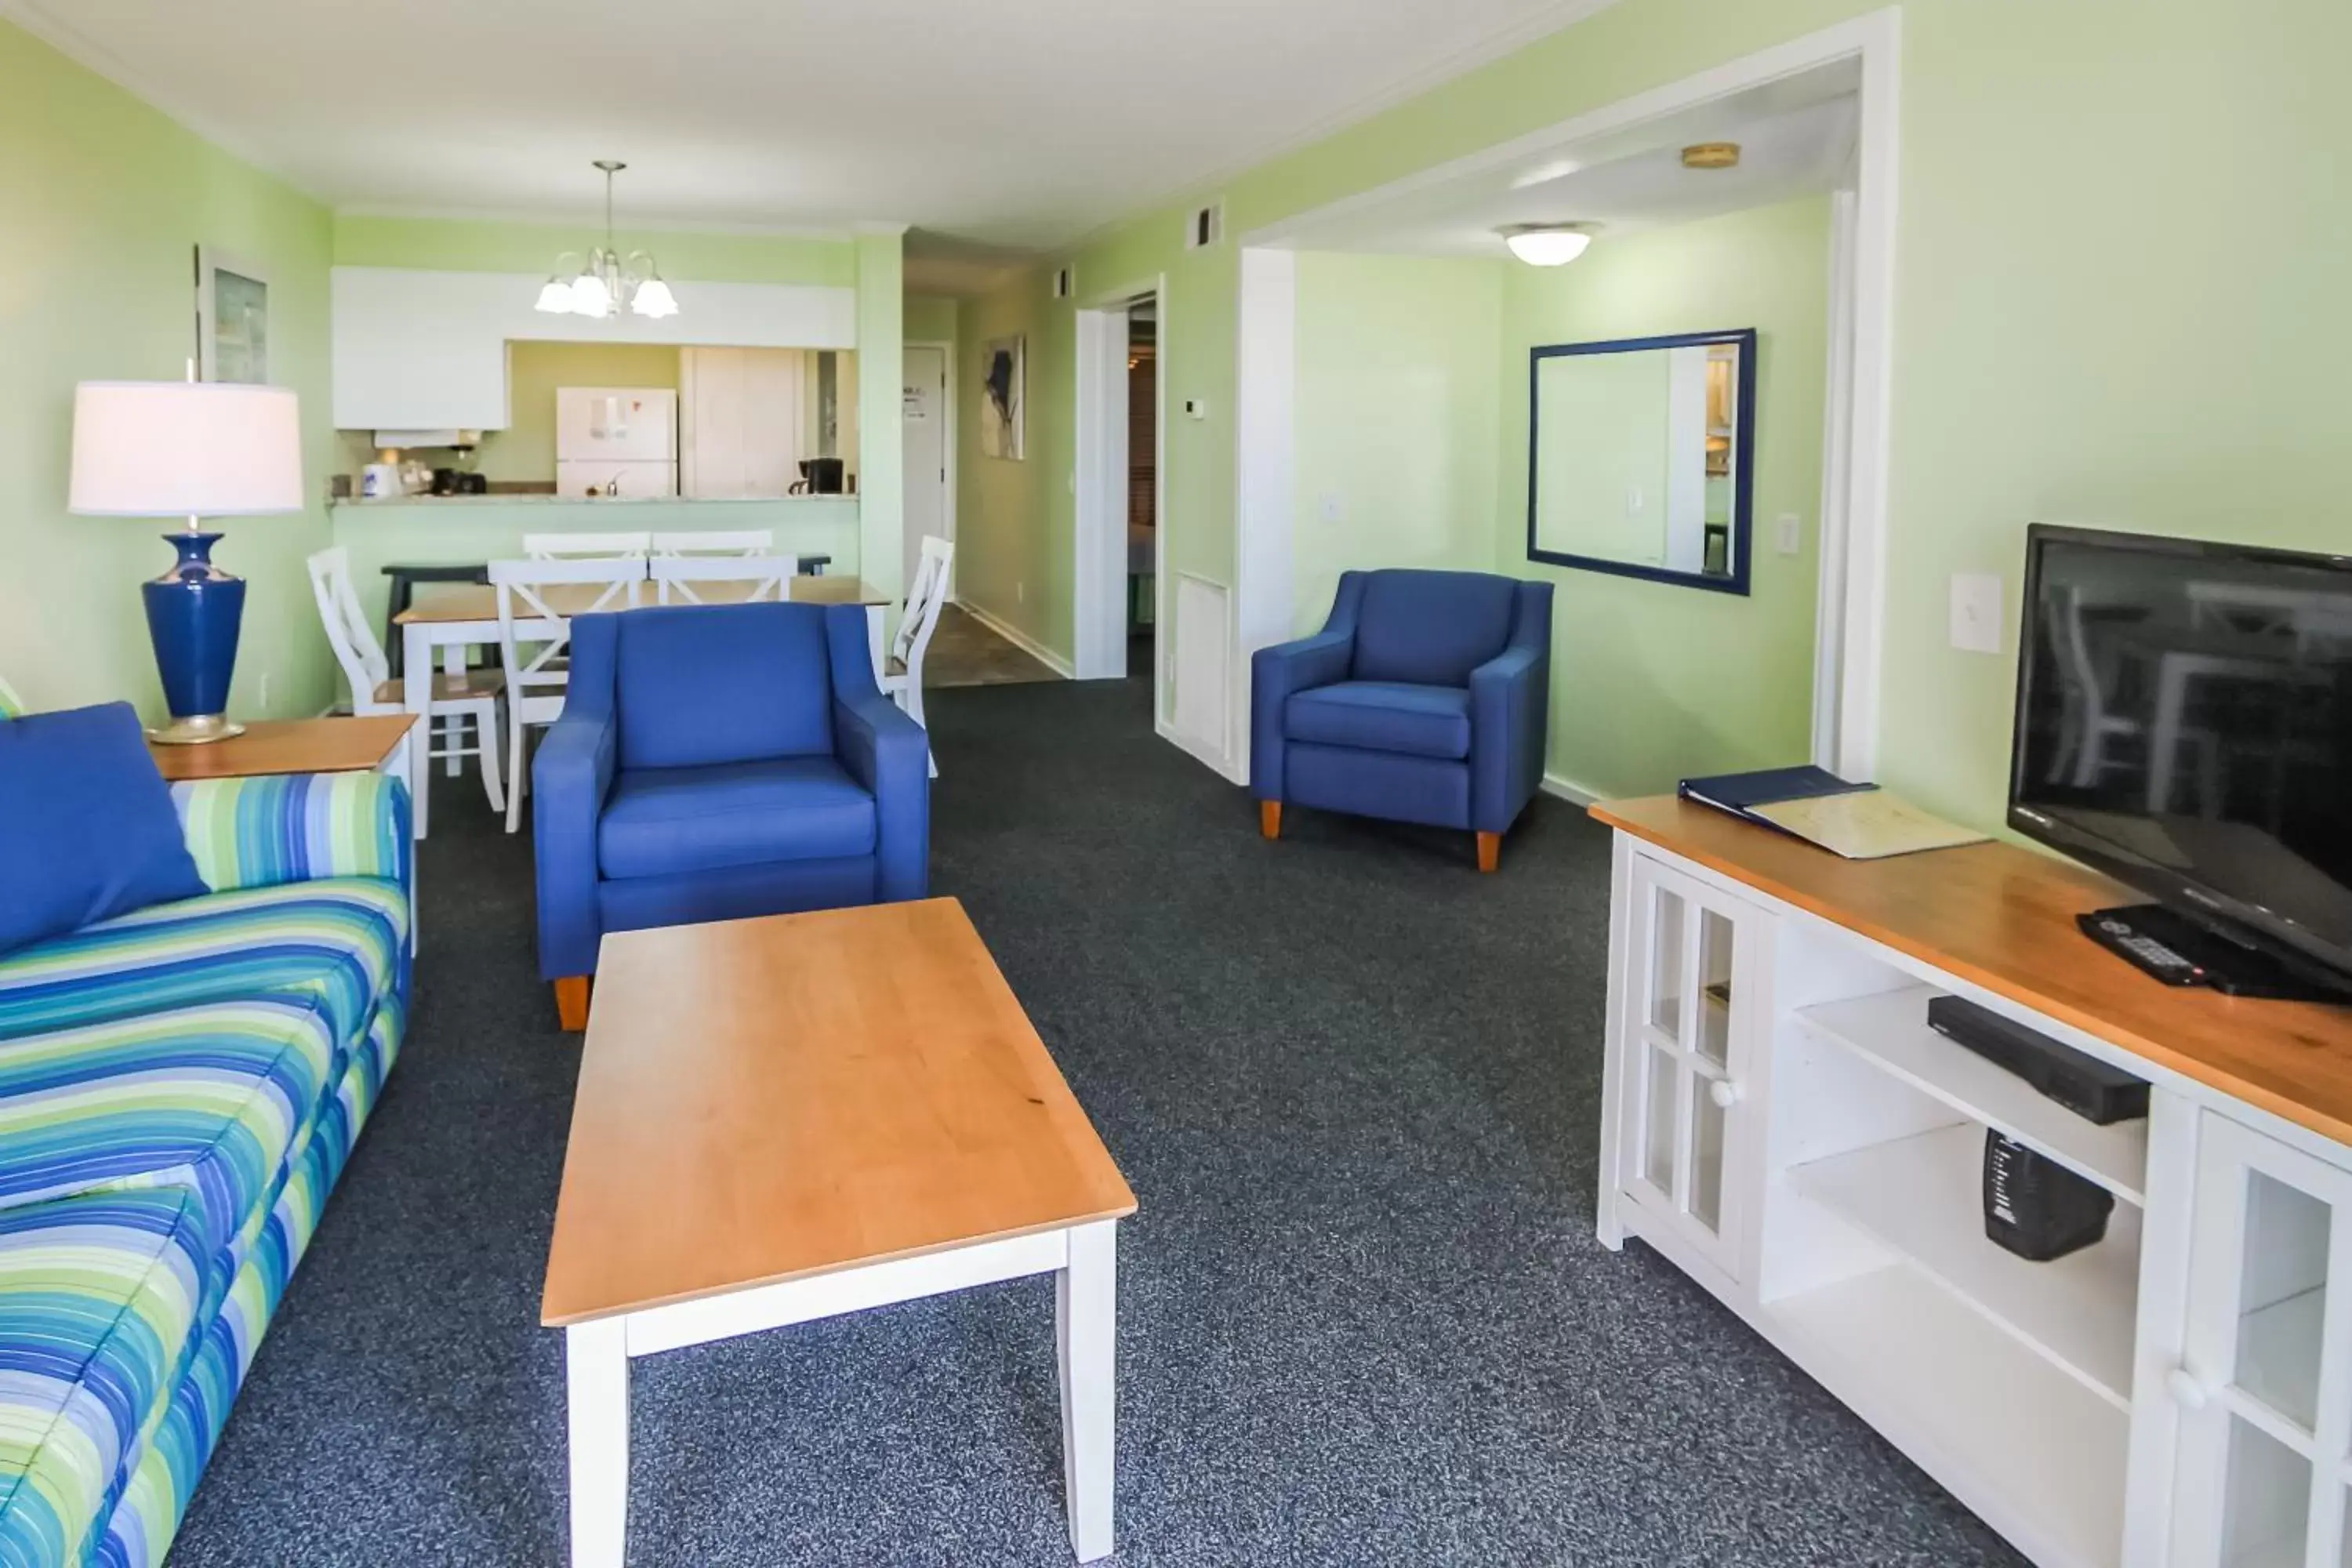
(1205, 228)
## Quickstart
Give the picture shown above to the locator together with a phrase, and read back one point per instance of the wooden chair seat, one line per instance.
(446, 687)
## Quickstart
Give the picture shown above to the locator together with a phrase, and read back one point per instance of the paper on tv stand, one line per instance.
(1868, 825)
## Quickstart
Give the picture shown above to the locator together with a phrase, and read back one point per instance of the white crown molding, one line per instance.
(157, 94)
(1554, 18)
(551, 217)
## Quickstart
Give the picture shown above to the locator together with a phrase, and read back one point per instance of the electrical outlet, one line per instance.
(1634, 499)
(1788, 533)
(1976, 612)
(1334, 506)
(1020, 593)
(265, 692)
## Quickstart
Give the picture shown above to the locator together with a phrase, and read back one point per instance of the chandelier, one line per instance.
(603, 283)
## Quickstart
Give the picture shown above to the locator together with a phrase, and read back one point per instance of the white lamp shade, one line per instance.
(180, 449)
(1548, 247)
(590, 297)
(654, 299)
(556, 298)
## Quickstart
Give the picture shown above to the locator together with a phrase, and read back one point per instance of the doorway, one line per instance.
(1121, 440)
(1858, 57)
(927, 408)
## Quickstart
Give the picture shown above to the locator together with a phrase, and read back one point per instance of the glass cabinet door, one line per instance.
(1681, 1099)
(2265, 1384)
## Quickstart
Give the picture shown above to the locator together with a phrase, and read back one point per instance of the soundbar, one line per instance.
(2083, 1084)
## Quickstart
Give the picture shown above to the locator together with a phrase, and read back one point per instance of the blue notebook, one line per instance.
(1734, 793)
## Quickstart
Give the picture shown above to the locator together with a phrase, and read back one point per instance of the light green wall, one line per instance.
(1398, 400)
(2071, 341)
(1652, 682)
(105, 199)
(932, 318)
(526, 448)
(1015, 520)
(466, 245)
(881, 468)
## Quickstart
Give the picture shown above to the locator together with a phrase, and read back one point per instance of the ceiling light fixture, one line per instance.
(603, 283)
(1711, 155)
(1547, 243)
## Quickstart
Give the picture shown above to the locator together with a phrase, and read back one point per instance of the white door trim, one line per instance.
(1854, 555)
(1265, 462)
(947, 436)
(1098, 556)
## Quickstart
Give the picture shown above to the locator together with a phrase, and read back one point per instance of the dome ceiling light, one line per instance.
(1547, 243)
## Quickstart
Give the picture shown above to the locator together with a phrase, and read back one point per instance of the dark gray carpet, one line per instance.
(1363, 1318)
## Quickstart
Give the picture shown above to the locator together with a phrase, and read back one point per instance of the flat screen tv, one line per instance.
(2184, 724)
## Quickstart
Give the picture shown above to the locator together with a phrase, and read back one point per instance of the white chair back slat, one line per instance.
(348, 632)
(590, 546)
(683, 579)
(921, 616)
(724, 541)
(529, 617)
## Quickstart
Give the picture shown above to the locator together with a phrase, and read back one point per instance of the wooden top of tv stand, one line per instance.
(2003, 918)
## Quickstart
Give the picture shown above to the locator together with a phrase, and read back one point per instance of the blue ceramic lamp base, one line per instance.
(192, 613)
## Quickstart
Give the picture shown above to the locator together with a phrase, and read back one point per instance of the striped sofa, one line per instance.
(179, 1089)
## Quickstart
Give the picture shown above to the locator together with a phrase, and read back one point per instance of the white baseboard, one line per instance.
(1198, 751)
(1569, 790)
(1020, 639)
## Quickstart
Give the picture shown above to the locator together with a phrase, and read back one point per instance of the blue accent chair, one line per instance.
(715, 763)
(1424, 699)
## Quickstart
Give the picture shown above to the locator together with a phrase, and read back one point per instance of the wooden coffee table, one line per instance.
(792, 1118)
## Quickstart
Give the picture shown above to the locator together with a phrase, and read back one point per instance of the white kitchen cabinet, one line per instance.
(1687, 1034)
(2262, 1386)
(741, 422)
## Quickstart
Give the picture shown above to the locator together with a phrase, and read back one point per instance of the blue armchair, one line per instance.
(715, 763)
(1424, 699)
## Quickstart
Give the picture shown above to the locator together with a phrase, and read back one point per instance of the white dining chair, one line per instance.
(902, 676)
(531, 617)
(723, 542)
(589, 546)
(460, 700)
(693, 579)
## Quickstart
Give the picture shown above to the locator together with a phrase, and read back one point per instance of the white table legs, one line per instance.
(416, 696)
(1085, 1304)
(596, 1369)
(1083, 1260)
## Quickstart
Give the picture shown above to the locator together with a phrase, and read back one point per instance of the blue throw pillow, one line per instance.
(86, 827)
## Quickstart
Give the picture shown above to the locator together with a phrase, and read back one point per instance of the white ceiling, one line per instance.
(1020, 126)
(1796, 138)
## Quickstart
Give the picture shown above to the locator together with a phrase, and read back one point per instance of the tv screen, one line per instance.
(2184, 723)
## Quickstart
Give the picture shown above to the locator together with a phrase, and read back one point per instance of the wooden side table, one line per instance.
(294, 746)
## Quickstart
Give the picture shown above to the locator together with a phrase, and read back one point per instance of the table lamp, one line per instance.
(193, 449)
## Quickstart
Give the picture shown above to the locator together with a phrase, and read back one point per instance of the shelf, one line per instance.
(2032, 1451)
(1891, 1031)
(2278, 1352)
(1922, 1197)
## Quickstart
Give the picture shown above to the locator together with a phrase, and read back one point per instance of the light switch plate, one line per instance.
(1977, 599)
(1334, 506)
(1788, 533)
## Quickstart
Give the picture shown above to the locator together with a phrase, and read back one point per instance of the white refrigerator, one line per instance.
(616, 440)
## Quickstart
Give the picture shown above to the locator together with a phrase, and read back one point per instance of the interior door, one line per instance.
(923, 405)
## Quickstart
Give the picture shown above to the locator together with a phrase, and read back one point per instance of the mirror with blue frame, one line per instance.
(1640, 457)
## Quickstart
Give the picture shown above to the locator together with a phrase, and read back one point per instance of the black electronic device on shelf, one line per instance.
(2082, 1083)
(2184, 724)
(2036, 1207)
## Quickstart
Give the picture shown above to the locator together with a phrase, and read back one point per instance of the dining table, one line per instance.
(463, 616)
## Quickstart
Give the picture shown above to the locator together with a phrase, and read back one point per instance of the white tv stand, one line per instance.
(1780, 1123)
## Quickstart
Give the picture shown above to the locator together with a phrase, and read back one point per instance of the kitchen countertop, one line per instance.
(542, 499)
